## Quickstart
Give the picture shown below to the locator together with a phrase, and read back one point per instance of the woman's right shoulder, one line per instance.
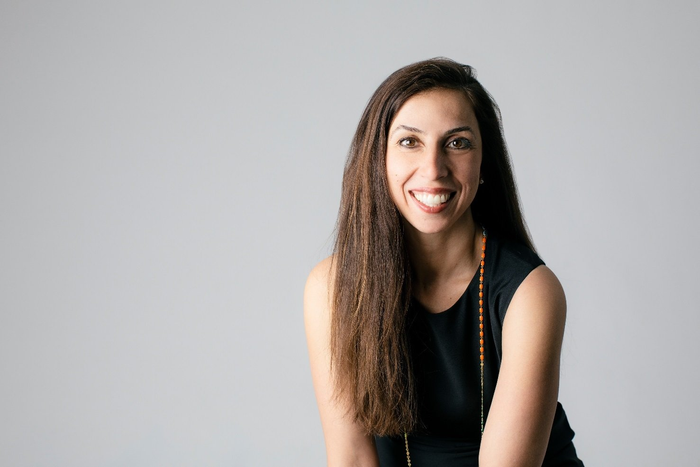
(318, 290)
(323, 270)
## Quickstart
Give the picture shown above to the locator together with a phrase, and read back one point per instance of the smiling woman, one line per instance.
(434, 329)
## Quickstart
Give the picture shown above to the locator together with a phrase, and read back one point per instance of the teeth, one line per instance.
(431, 200)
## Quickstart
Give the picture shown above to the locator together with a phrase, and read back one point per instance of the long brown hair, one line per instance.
(372, 283)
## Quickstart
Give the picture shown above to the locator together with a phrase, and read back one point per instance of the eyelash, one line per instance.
(410, 142)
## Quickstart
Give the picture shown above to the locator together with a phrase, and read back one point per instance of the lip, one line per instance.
(432, 191)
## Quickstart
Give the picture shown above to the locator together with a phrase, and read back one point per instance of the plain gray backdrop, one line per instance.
(170, 172)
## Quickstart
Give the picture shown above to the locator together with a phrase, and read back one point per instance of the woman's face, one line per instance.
(433, 160)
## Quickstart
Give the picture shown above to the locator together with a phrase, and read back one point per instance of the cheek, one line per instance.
(394, 186)
(399, 172)
(392, 176)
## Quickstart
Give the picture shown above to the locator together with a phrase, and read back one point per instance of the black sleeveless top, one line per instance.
(445, 353)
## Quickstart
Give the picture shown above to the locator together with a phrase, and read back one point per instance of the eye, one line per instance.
(408, 142)
(459, 143)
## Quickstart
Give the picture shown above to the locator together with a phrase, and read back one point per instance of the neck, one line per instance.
(444, 256)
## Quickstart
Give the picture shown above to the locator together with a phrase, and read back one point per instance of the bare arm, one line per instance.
(521, 415)
(346, 443)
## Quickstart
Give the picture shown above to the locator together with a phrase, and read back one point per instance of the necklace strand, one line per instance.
(481, 322)
(482, 262)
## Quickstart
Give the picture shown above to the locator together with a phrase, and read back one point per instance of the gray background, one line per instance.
(171, 171)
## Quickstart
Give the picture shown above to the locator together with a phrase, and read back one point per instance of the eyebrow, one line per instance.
(460, 129)
(418, 130)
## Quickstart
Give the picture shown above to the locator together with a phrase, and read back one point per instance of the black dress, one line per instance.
(445, 351)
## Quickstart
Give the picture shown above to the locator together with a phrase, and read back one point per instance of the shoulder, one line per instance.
(541, 284)
(322, 270)
(317, 292)
(538, 305)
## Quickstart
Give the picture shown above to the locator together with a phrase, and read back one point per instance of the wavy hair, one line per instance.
(371, 285)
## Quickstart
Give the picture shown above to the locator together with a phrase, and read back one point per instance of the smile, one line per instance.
(432, 202)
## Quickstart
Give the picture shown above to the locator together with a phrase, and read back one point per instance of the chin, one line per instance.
(426, 228)
(435, 225)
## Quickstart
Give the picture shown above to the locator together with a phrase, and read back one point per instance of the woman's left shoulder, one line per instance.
(539, 299)
(539, 283)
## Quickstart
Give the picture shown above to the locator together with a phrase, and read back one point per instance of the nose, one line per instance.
(434, 163)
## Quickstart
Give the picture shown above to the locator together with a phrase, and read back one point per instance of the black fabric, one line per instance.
(445, 352)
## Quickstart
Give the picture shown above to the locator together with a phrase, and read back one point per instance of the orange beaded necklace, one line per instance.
(482, 262)
(481, 322)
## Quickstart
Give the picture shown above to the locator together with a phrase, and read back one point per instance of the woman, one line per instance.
(434, 330)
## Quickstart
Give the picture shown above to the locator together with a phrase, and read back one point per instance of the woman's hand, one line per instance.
(346, 443)
(521, 415)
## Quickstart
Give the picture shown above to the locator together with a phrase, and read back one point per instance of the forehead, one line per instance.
(436, 108)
